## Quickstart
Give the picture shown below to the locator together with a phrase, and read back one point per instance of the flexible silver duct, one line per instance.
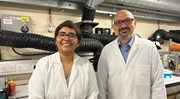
(90, 3)
(169, 6)
(93, 3)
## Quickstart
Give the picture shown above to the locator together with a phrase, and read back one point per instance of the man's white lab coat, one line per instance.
(141, 77)
(48, 80)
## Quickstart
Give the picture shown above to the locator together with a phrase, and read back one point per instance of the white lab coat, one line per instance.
(48, 80)
(141, 77)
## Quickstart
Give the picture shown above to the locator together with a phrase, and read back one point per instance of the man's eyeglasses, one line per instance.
(127, 21)
(70, 35)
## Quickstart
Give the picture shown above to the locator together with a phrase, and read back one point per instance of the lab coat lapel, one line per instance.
(74, 71)
(133, 51)
(118, 52)
(59, 64)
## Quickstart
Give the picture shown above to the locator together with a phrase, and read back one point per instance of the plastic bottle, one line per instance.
(12, 89)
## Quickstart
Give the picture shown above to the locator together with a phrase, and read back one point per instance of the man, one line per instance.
(130, 67)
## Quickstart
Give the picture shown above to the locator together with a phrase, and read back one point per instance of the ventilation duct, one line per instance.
(168, 6)
(104, 38)
(28, 40)
(90, 44)
(162, 34)
(90, 3)
(93, 3)
(86, 25)
(164, 10)
(68, 4)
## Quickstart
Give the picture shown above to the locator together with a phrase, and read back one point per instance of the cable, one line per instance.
(32, 53)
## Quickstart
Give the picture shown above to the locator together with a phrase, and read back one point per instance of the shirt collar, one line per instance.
(58, 58)
(129, 44)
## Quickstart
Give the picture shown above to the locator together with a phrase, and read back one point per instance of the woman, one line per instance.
(64, 75)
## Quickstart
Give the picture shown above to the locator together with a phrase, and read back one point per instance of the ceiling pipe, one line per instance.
(167, 13)
(93, 3)
(168, 6)
(89, 3)
(105, 4)
(112, 9)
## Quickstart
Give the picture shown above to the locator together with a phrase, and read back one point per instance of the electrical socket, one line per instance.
(7, 68)
(17, 67)
(3, 68)
(11, 68)
(23, 67)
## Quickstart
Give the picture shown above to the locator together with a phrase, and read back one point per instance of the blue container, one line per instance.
(4, 94)
(167, 74)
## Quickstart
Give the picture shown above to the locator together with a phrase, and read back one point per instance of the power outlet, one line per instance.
(17, 67)
(4, 68)
(11, 68)
(23, 67)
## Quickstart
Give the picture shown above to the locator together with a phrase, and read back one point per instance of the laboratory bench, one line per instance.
(172, 88)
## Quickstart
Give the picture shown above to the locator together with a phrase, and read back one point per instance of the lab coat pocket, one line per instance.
(142, 75)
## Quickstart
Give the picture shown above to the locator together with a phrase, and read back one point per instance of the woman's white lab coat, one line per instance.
(141, 77)
(48, 80)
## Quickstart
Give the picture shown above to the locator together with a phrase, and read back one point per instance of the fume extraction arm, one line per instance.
(86, 25)
(29, 40)
(160, 35)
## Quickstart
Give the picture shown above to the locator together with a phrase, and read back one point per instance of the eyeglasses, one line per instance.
(127, 21)
(71, 35)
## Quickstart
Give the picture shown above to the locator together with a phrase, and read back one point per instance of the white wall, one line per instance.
(40, 20)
